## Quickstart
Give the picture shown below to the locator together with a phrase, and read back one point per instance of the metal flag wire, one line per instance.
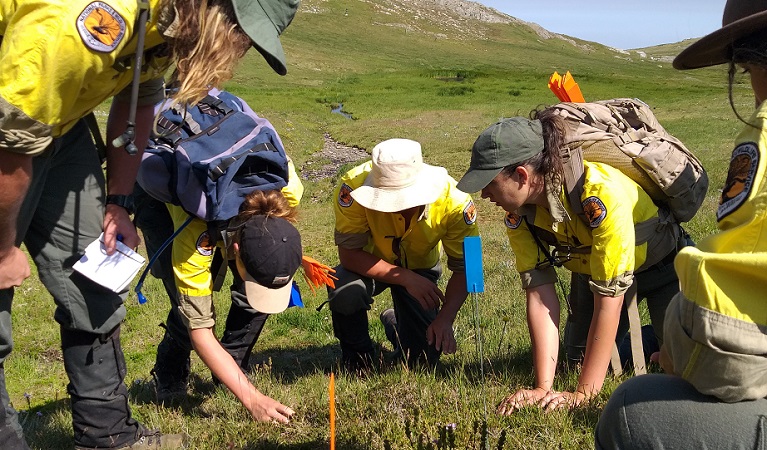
(332, 396)
(475, 283)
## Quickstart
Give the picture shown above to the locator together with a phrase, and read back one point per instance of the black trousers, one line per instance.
(350, 301)
(243, 323)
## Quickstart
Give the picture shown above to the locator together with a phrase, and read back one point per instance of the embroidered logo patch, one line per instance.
(740, 179)
(470, 213)
(345, 196)
(512, 220)
(204, 247)
(101, 27)
(595, 211)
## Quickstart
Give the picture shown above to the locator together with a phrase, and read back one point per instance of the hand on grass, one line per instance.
(520, 399)
(665, 361)
(558, 400)
(266, 409)
(440, 334)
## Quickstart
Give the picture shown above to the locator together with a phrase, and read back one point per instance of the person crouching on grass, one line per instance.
(713, 393)
(393, 216)
(516, 163)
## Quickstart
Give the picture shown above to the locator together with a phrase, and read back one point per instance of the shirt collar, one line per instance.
(556, 207)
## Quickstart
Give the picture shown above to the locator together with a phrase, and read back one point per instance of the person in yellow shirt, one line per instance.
(394, 215)
(189, 272)
(517, 165)
(714, 391)
(59, 60)
(263, 252)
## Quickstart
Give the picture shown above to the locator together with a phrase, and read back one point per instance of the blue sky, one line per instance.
(619, 23)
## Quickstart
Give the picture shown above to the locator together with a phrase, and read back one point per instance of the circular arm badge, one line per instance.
(595, 211)
(101, 27)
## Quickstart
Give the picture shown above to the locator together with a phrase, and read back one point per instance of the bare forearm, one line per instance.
(543, 324)
(601, 338)
(15, 176)
(222, 365)
(455, 296)
(121, 166)
(371, 266)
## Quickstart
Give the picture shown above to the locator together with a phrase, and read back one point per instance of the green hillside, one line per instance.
(437, 71)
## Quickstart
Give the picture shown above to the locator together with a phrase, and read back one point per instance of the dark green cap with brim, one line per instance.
(510, 141)
(263, 21)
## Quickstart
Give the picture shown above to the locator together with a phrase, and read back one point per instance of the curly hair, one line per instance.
(549, 161)
(206, 47)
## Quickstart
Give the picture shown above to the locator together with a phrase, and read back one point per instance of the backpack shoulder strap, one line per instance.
(215, 103)
(573, 177)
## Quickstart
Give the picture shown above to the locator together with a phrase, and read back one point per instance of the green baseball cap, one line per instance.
(263, 21)
(510, 141)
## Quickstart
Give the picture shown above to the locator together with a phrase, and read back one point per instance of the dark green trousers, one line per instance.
(657, 412)
(350, 302)
(62, 213)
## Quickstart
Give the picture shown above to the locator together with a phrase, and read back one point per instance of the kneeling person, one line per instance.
(394, 215)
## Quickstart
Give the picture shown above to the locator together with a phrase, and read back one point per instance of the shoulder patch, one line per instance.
(345, 196)
(740, 179)
(470, 213)
(595, 211)
(203, 245)
(101, 27)
(512, 220)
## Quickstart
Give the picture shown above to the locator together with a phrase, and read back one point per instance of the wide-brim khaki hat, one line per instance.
(740, 19)
(399, 179)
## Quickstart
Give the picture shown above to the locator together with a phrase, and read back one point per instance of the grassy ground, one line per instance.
(396, 81)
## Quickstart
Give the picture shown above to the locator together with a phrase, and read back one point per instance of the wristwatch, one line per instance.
(125, 201)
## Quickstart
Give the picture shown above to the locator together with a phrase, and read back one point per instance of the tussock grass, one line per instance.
(398, 82)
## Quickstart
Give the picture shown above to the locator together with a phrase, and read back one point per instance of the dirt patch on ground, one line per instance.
(334, 154)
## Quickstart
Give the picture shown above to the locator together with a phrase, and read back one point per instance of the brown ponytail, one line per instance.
(266, 203)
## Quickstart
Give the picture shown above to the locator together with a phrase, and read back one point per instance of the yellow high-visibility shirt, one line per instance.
(613, 204)
(444, 223)
(716, 327)
(59, 59)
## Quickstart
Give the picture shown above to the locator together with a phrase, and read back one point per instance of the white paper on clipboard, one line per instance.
(114, 271)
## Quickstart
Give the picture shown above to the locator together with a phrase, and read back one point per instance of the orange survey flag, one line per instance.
(565, 88)
(572, 88)
(555, 85)
(317, 274)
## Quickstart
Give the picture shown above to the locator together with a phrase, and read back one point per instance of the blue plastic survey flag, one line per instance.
(472, 254)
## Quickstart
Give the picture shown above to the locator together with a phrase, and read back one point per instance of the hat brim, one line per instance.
(474, 180)
(714, 48)
(262, 33)
(267, 300)
(426, 190)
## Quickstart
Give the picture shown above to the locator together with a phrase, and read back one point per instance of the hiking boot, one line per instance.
(358, 363)
(169, 391)
(152, 440)
(389, 321)
(171, 370)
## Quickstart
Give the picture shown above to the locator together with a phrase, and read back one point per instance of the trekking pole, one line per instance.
(475, 284)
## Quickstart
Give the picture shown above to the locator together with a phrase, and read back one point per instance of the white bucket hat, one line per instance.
(399, 178)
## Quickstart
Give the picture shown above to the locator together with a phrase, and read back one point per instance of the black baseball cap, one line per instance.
(270, 251)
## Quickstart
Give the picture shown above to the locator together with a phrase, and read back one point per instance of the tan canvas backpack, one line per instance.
(625, 134)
